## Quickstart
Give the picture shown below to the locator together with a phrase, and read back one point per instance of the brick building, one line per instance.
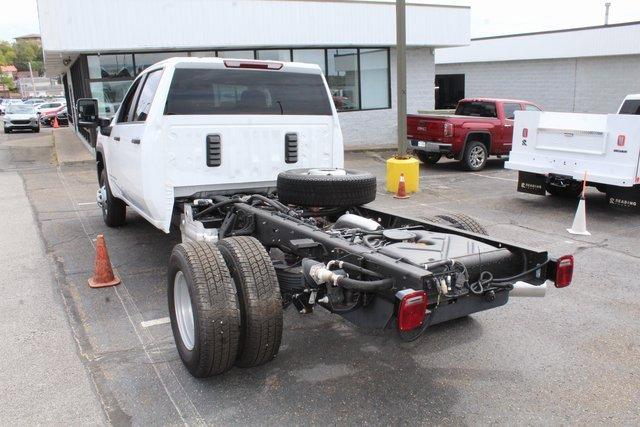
(584, 70)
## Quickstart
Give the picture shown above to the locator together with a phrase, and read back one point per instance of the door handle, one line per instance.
(116, 138)
(135, 141)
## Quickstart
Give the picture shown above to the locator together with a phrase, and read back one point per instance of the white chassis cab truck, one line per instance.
(246, 158)
(553, 153)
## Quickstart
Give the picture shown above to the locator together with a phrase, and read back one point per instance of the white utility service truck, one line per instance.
(553, 153)
(246, 158)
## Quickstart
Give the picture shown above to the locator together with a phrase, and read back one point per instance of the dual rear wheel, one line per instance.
(224, 304)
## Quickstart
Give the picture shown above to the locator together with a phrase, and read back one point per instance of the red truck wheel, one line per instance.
(475, 156)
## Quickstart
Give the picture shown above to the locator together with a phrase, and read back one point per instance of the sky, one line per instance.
(488, 17)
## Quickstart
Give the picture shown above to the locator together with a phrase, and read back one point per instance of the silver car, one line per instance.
(20, 116)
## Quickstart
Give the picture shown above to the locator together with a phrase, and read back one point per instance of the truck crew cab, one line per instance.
(246, 158)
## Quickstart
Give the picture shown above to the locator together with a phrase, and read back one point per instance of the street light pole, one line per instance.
(33, 83)
(401, 61)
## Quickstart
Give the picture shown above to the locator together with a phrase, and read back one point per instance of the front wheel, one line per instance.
(475, 156)
(7, 130)
(428, 158)
(203, 308)
(36, 129)
(114, 210)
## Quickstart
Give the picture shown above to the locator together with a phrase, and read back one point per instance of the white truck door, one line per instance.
(132, 138)
(118, 137)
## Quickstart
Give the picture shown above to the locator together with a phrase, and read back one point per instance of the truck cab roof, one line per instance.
(501, 100)
(206, 62)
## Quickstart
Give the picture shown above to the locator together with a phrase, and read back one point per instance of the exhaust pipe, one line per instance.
(526, 290)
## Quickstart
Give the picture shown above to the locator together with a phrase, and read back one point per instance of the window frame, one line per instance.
(133, 90)
(139, 93)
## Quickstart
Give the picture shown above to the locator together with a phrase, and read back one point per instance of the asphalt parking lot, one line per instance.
(570, 358)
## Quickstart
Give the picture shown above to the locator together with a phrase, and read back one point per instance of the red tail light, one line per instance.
(253, 64)
(413, 308)
(525, 132)
(564, 271)
(448, 129)
(621, 140)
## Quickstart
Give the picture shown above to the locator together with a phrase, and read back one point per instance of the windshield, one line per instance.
(20, 109)
(630, 106)
(476, 109)
(246, 92)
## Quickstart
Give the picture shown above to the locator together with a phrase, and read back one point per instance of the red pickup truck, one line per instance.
(480, 127)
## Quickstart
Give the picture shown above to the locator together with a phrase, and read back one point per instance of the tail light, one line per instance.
(621, 140)
(448, 129)
(564, 271)
(253, 64)
(525, 132)
(413, 308)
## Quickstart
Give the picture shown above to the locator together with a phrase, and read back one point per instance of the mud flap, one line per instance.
(532, 183)
(627, 198)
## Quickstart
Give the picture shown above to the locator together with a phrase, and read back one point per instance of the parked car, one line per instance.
(34, 101)
(49, 107)
(552, 152)
(46, 119)
(479, 128)
(246, 158)
(20, 116)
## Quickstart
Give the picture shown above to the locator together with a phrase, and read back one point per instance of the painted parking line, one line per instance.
(494, 177)
(87, 203)
(155, 322)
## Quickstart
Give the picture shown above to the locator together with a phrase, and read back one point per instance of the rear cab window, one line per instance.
(209, 91)
(510, 109)
(476, 109)
(630, 106)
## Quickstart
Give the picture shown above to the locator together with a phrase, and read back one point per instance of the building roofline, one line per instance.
(564, 30)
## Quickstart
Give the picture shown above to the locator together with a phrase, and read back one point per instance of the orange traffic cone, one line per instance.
(55, 122)
(103, 275)
(402, 190)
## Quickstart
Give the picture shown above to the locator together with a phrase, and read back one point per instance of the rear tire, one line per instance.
(207, 341)
(460, 221)
(256, 282)
(326, 187)
(428, 158)
(475, 156)
(114, 210)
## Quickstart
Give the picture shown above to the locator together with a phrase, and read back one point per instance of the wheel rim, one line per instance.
(183, 310)
(476, 156)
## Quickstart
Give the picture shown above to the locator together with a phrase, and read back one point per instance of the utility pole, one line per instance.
(401, 48)
(607, 5)
(33, 83)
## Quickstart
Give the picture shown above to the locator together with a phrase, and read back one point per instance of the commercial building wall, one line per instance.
(378, 127)
(583, 85)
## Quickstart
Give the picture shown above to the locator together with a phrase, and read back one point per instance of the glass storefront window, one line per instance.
(283, 55)
(310, 56)
(374, 78)
(106, 66)
(144, 60)
(236, 54)
(342, 77)
(109, 95)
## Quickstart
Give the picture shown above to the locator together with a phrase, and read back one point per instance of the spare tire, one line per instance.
(460, 221)
(326, 187)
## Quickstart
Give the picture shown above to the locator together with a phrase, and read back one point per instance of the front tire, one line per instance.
(36, 129)
(475, 156)
(256, 282)
(7, 130)
(428, 158)
(114, 210)
(204, 309)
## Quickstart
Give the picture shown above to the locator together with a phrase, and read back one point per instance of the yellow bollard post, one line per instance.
(408, 166)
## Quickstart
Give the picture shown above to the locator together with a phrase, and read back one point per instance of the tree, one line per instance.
(26, 52)
(7, 54)
(8, 82)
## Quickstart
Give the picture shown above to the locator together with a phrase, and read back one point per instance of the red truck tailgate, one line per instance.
(426, 128)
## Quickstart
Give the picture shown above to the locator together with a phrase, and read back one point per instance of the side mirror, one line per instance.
(87, 109)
